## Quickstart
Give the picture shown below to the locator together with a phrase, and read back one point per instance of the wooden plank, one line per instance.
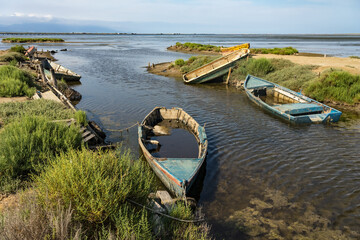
(228, 77)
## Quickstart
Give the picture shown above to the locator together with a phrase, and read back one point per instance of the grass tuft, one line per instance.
(15, 82)
(277, 51)
(10, 56)
(29, 143)
(96, 184)
(336, 86)
(18, 48)
(14, 111)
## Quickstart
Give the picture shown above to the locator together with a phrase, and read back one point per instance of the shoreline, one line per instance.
(350, 65)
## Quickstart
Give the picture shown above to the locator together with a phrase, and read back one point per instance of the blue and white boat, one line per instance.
(177, 174)
(287, 104)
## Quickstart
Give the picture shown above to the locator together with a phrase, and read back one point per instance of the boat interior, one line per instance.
(288, 103)
(162, 122)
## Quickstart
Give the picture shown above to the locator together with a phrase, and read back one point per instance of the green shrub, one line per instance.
(80, 117)
(182, 230)
(179, 62)
(356, 57)
(295, 77)
(15, 82)
(259, 67)
(337, 86)
(24, 40)
(10, 56)
(278, 51)
(198, 47)
(14, 111)
(280, 64)
(96, 184)
(31, 141)
(196, 62)
(132, 223)
(18, 48)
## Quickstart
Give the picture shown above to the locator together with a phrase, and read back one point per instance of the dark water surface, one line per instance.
(305, 172)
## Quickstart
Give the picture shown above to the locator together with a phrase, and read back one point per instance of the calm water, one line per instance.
(251, 155)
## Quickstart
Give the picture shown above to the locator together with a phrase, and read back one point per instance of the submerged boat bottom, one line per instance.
(175, 141)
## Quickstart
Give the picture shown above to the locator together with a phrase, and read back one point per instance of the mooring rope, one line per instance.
(124, 129)
(165, 215)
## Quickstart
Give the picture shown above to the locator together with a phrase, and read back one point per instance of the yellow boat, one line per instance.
(235, 48)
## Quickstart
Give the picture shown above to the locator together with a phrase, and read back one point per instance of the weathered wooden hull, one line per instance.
(177, 174)
(62, 72)
(216, 68)
(306, 110)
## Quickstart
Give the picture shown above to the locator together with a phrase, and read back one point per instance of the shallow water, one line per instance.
(251, 154)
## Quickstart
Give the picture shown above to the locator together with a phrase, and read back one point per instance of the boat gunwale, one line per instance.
(217, 68)
(154, 160)
(284, 115)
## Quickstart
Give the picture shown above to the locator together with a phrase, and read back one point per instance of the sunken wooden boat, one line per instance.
(215, 68)
(177, 174)
(62, 72)
(287, 104)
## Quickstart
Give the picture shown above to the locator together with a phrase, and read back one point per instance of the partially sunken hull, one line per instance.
(177, 174)
(62, 72)
(216, 68)
(287, 104)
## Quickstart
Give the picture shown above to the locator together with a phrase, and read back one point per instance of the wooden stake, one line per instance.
(228, 77)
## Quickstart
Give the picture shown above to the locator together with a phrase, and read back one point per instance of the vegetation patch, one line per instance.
(355, 57)
(30, 142)
(335, 86)
(51, 110)
(18, 48)
(95, 185)
(11, 56)
(295, 78)
(188, 46)
(15, 82)
(31, 40)
(192, 63)
(278, 51)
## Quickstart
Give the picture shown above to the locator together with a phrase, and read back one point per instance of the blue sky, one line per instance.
(191, 16)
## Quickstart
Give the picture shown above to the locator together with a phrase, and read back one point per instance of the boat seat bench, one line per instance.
(182, 168)
(299, 108)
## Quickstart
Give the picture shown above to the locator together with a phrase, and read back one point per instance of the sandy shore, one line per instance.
(351, 65)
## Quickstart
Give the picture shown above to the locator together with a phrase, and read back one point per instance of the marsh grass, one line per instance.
(80, 117)
(28, 144)
(14, 111)
(96, 184)
(277, 51)
(197, 46)
(30, 221)
(180, 230)
(10, 56)
(15, 82)
(294, 78)
(336, 86)
(195, 62)
(18, 48)
(31, 40)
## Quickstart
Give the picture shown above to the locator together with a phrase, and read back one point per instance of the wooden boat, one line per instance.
(287, 104)
(62, 72)
(177, 174)
(216, 68)
(235, 48)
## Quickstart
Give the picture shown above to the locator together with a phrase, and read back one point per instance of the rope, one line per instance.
(121, 130)
(165, 215)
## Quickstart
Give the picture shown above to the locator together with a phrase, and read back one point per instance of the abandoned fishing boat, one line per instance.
(62, 72)
(287, 104)
(178, 174)
(216, 68)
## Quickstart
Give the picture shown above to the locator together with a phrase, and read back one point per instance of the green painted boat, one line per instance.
(177, 174)
(216, 68)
